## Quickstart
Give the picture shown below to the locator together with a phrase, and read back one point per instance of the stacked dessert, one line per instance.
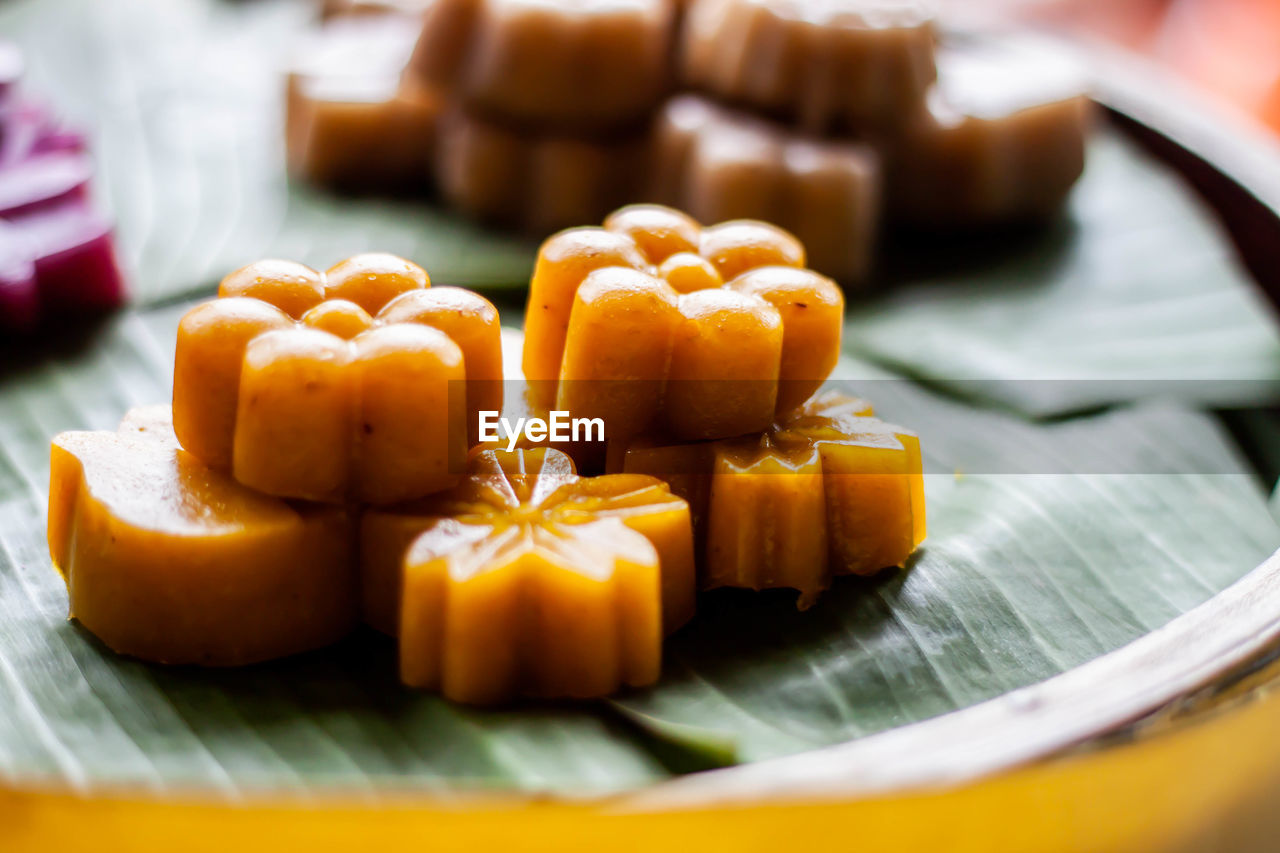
(825, 117)
(353, 121)
(548, 104)
(321, 465)
(314, 417)
(703, 351)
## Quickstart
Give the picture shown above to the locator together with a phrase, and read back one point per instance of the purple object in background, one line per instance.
(22, 123)
(56, 139)
(43, 182)
(56, 253)
(19, 297)
(11, 68)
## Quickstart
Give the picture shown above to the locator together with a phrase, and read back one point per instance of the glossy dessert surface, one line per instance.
(361, 383)
(528, 580)
(654, 322)
(828, 490)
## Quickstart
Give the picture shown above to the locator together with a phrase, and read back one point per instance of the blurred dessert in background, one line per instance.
(828, 118)
(567, 65)
(1004, 133)
(549, 104)
(822, 65)
(343, 8)
(352, 122)
(718, 164)
(533, 181)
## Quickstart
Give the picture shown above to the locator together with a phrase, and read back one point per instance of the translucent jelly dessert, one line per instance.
(533, 181)
(1004, 133)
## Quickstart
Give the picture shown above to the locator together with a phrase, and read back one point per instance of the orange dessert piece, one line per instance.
(821, 64)
(593, 66)
(530, 180)
(719, 163)
(1004, 132)
(654, 323)
(351, 122)
(828, 490)
(528, 580)
(168, 560)
(362, 383)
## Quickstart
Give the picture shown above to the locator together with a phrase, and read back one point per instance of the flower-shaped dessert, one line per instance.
(828, 490)
(718, 163)
(585, 65)
(533, 181)
(526, 579)
(351, 122)
(824, 64)
(171, 561)
(1004, 132)
(361, 383)
(656, 323)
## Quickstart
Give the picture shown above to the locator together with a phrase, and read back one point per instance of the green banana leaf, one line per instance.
(1029, 569)
(1023, 576)
(1050, 542)
(1134, 282)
